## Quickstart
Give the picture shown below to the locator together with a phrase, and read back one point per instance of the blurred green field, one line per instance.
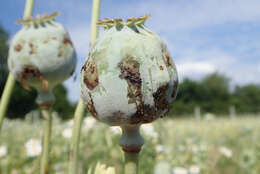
(207, 146)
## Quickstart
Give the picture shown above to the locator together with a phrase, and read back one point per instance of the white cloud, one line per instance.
(190, 68)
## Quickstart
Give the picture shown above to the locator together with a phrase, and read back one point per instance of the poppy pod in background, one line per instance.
(129, 77)
(41, 54)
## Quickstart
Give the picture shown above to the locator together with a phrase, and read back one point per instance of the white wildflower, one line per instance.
(148, 129)
(203, 147)
(101, 168)
(225, 151)
(194, 148)
(67, 133)
(194, 169)
(70, 123)
(33, 147)
(182, 148)
(159, 148)
(209, 116)
(116, 129)
(179, 170)
(89, 123)
(3, 151)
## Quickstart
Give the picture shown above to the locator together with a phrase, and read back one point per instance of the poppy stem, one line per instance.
(78, 115)
(8, 89)
(131, 142)
(46, 141)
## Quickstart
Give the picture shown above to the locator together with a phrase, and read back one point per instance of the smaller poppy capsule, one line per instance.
(41, 54)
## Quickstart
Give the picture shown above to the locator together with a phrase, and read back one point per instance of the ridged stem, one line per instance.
(11, 80)
(78, 115)
(94, 20)
(6, 97)
(131, 142)
(44, 168)
(74, 146)
(131, 163)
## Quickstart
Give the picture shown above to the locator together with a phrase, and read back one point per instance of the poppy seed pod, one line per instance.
(41, 54)
(129, 77)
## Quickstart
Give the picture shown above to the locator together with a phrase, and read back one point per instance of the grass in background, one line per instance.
(213, 146)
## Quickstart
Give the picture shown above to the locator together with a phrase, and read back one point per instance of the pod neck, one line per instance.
(45, 99)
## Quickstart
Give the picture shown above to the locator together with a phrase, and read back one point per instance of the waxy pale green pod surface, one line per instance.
(129, 77)
(41, 53)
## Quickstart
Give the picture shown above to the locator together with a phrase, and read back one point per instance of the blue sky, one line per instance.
(203, 36)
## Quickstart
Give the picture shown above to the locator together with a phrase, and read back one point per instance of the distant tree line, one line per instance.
(212, 94)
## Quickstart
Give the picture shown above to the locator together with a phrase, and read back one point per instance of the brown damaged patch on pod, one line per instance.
(60, 51)
(67, 41)
(90, 76)
(130, 72)
(161, 67)
(146, 114)
(160, 97)
(175, 88)
(117, 117)
(91, 107)
(72, 72)
(30, 71)
(18, 47)
(166, 57)
(32, 48)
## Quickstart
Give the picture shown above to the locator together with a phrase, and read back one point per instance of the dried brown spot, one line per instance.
(71, 73)
(131, 149)
(160, 97)
(90, 74)
(32, 48)
(161, 67)
(45, 41)
(54, 38)
(116, 117)
(18, 47)
(130, 72)
(175, 86)
(60, 52)
(67, 41)
(12, 64)
(30, 71)
(167, 60)
(91, 107)
(166, 57)
(46, 105)
(145, 115)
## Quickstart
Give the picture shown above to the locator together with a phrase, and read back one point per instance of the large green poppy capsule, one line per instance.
(129, 77)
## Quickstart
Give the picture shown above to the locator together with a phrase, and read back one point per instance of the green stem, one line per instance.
(74, 148)
(94, 20)
(46, 141)
(6, 97)
(11, 80)
(131, 163)
(74, 151)
(131, 142)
